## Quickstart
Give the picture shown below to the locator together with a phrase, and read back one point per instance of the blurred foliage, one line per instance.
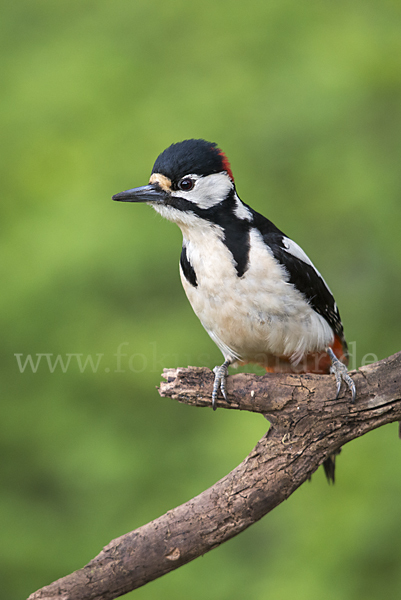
(305, 98)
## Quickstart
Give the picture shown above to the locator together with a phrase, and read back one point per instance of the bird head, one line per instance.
(188, 180)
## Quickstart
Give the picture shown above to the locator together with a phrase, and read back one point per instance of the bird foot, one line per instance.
(220, 377)
(340, 372)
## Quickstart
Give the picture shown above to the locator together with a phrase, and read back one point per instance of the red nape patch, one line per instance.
(226, 165)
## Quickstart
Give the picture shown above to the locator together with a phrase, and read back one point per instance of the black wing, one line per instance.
(302, 275)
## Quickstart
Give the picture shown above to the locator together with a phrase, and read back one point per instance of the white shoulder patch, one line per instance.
(293, 248)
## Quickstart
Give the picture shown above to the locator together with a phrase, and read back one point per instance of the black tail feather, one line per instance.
(329, 466)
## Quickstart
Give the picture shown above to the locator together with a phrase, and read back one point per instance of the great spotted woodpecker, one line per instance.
(255, 291)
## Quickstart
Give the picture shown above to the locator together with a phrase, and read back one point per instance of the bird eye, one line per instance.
(186, 184)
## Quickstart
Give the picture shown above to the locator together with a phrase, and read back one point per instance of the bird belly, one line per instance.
(258, 317)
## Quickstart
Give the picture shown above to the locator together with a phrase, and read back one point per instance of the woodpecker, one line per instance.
(255, 291)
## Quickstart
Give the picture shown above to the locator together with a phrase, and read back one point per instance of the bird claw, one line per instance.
(220, 376)
(340, 372)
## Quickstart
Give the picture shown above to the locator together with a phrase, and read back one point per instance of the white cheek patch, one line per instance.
(208, 191)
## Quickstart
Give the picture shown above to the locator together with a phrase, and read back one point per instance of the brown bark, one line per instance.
(307, 425)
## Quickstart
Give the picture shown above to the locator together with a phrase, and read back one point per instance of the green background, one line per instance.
(305, 99)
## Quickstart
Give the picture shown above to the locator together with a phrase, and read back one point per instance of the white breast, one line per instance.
(254, 316)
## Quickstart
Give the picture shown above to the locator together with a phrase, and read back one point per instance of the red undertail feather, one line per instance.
(318, 362)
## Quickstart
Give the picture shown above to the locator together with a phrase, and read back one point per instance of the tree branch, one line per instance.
(307, 425)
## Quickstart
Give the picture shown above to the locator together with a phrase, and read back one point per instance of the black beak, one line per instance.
(146, 193)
